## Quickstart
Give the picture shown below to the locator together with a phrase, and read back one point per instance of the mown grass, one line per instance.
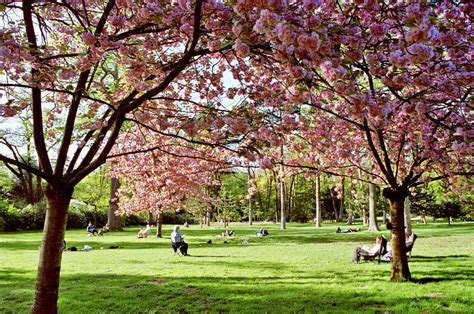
(299, 270)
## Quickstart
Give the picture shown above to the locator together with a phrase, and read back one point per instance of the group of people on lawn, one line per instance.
(178, 244)
(93, 231)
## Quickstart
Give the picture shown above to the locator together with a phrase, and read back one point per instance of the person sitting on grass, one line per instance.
(367, 252)
(177, 241)
(92, 230)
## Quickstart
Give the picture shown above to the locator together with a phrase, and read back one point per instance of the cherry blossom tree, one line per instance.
(81, 67)
(164, 172)
(388, 83)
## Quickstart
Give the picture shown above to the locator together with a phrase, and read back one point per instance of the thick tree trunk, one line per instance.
(373, 226)
(317, 188)
(49, 266)
(112, 219)
(400, 270)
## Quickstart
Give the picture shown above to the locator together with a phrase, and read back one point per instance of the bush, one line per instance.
(9, 218)
(80, 214)
(32, 216)
(133, 220)
(171, 217)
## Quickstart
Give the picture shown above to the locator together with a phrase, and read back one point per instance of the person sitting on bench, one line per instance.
(368, 253)
(177, 242)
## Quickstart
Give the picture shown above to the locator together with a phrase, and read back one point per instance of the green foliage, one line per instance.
(80, 214)
(438, 201)
(172, 217)
(6, 182)
(8, 215)
(94, 190)
(230, 206)
(299, 270)
(30, 217)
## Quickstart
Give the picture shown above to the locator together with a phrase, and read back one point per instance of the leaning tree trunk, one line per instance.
(372, 209)
(317, 188)
(112, 219)
(49, 265)
(400, 270)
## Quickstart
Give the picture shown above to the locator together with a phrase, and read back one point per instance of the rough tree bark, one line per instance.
(400, 270)
(49, 265)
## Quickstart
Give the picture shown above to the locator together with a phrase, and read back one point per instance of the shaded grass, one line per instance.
(299, 270)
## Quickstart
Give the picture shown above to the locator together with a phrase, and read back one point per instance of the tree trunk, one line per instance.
(283, 201)
(277, 197)
(208, 218)
(333, 203)
(350, 210)
(49, 265)
(112, 219)
(400, 270)
(159, 225)
(317, 188)
(372, 210)
(149, 217)
(291, 197)
(249, 178)
(342, 204)
(407, 215)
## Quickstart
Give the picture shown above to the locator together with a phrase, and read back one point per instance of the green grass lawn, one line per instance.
(299, 270)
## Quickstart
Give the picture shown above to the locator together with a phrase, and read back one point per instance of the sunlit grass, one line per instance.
(301, 269)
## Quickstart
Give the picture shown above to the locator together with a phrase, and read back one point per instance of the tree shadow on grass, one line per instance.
(419, 258)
